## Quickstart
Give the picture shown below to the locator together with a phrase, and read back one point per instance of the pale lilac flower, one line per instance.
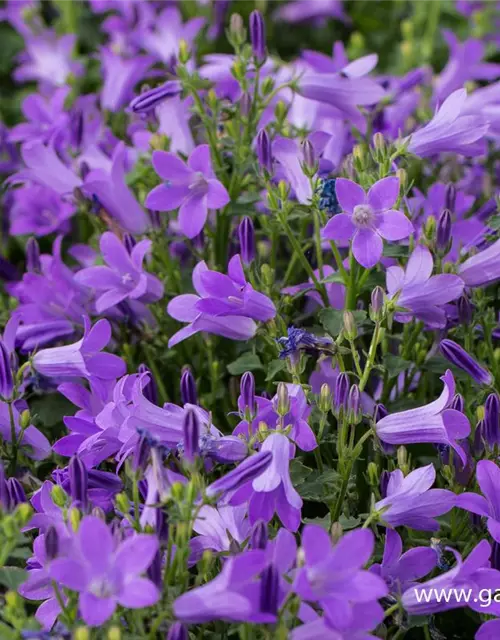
(105, 574)
(83, 358)
(33, 443)
(334, 290)
(367, 218)
(420, 294)
(193, 188)
(38, 210)
(314, 10)
(464, 64)
(114, 195)
(483, 268)
(401, 570)
(458, 356)
(124, 276)
(434, 422)
(46, 117)
(411, 502)
(225, 305)
(219, 529)
(450, 131)
(48, 59)
(120, 77)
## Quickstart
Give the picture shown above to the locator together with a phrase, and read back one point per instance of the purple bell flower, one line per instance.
(191, 429)
(246, 235)
(6, 379)
(258, 36)
(455, 354)
(189, 393)
(148, 100)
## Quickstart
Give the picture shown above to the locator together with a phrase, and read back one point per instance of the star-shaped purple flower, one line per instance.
(192, 187)
(367, 218)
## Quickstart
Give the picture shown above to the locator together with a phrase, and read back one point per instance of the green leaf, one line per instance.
(12, 577)
(395, 365)
(275, 366)
(247, 362)
(335, 277)
(395, 251)
(7, 633)
(325, 522)
(349, 523)
(320, 487)
(333, 320)
(299, 472)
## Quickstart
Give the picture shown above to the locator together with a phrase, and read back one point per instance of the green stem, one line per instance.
(337, 510)
(352, 293)
(317, 240)
(13, 462)
(371, 357)
(340, 264)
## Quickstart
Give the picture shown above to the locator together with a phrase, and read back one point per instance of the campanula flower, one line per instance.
(488, 505)
(435, 422)
(411, 502)
(124, 276)
(455, 354)
(367, 219)
(106, 574)
(483, 268)
(191, 187)
(226, 305)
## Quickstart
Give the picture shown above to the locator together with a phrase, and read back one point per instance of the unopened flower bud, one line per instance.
(82, 633)
(325, 399)
(247, 392)
(353, 405)
(149, 386)
(403, 178)
(75, 517)
(336, 532)
(264, 151)
(59, 496)
(237, 32)
(191, 429)
(379, 142)
(341, 392)
(25, 419)
(6, 379)
(443, 237)
(259, 535)
(258, 36)
(384, 481)
(123, 503)
(450, 197)
(178, 631)
(189, 393)
(33, 256)
(114, 633)
(310, 164)
(51, 540)
(184, 53)
(245, 104)
(373, 475)
(464, 310)
(283, 400)
(402, 457)
(78, 482)
(377, 304)
(492, 419)
(246, 235)
(430, 228)
(350, 329)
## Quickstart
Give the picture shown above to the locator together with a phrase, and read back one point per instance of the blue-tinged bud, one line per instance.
(492, 419)
(385, 476)
(264, 151)
(189, 393)
(310, 162)
(78, 482)
(465, 310)
(341, 392)
(16, 492)
(191, 429)
(6, 379)
(450, 197)
(150, 388)
(258, 36)
(177, 632)
(150, 99)
(33, 256)
(246, 235)
(377, 304)
(247, 391)
(443, 237)
(4, 492)
(154, 571)
(455, 354)
(259, 535)
(51, 540)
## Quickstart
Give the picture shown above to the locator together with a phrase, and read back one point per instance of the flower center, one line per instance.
(362, 215)
(199, 183)
(101, 588)
(126, 278)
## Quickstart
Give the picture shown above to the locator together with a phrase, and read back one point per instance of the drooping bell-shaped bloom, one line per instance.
(120, 77)
(105, 574)
(83, 358)
(124, 277)
(401, 570)
(449, 131)
(241, 476)
(148, 100)
(434, 422)
(488, 505)
(367, 219)
(191, 187)
(455, 354)
(113, 194)
(467, 576)
(418, 292)
(483, 268)
(411, 502)
(273, 492)
(226, 305)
